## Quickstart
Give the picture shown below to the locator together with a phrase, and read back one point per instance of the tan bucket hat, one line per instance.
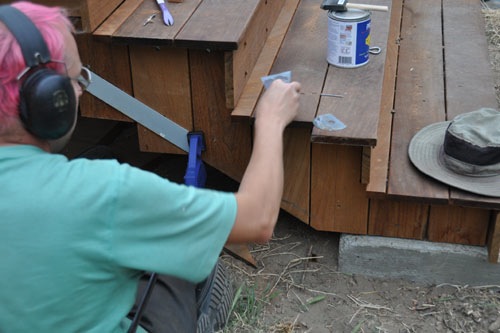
(463, 153)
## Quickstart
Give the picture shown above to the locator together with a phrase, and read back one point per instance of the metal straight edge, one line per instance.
(139, 112)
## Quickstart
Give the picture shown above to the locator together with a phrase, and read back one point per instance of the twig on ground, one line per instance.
(274, 238)
(279, 277)
(355, 314)
(261, 248)
(294, 322)
(490, 286)
(458, 287)
(281, 254)
(302, 304)
(292, 246)
(367, 305)
(306, 262)
(290, 264)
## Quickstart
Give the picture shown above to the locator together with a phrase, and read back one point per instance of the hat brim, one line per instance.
(425, 154)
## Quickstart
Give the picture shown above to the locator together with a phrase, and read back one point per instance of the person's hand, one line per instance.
(280, 103)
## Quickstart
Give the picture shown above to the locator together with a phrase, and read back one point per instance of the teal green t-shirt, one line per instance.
(76, 235)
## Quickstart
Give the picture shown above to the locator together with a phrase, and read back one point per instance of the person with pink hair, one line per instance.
(76, 236)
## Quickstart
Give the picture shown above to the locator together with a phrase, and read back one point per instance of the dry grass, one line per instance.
(401, 307)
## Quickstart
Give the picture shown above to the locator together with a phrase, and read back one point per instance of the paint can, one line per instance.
(348, 38)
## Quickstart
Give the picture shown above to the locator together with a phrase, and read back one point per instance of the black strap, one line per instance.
(143, 303)
(28, 36)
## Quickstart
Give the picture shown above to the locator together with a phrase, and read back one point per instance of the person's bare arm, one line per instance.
(261, 189)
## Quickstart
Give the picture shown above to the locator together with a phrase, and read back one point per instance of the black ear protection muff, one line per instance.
(47, 104)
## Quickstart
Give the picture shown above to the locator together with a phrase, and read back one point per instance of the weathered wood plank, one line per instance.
(419, 97)
(297, 165)
(228, 143)
(338, 199)
(112, 63)
(379, 161)
(108, 27)
(248, 100)
(469, 78)
(365, 165)
(218, 24)
(239, 63)
(459, 225)
(96, 11)
(462, 198)
(160, 79)
(361, 87)
(494, 238)
(134, 29)
(307, 63)
(402, 219)
(303, 62)
(297, 147)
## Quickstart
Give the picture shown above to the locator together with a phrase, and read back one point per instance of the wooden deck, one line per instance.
(191, 72)
(434, 66)
(204, 73)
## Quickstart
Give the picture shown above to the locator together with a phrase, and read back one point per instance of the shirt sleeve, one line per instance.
(164, 227)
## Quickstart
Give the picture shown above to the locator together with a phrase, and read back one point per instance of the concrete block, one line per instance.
(419, 261)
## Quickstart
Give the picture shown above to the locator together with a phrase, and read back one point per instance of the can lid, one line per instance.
(352, 14)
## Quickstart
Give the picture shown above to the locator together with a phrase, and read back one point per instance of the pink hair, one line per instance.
(49, 21)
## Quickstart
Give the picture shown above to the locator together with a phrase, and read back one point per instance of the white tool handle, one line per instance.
(367, 7)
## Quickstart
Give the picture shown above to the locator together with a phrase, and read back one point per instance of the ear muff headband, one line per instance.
(28, 36)
(47, 104)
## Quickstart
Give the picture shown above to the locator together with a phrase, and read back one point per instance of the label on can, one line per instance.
(348, 38)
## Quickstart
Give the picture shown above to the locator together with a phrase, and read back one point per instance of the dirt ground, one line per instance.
(296, 286)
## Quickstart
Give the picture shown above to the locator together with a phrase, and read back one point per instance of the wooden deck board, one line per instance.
(308, 64)
(133, 29)
(167, 69)
(338, 199)
(208, 28)
(115, 67)
(494, 239)
(239, 63)
(297, 166)
(379, 156)
(228, 144)
(108, 28)
(469, 77)
(458, 225)
(361, 87)
(248, 100)
(402, 219)
(419, 97)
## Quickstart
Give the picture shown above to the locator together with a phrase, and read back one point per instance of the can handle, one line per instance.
(375, 50)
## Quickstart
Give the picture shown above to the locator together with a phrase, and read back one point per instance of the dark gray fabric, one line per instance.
(172, 306)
